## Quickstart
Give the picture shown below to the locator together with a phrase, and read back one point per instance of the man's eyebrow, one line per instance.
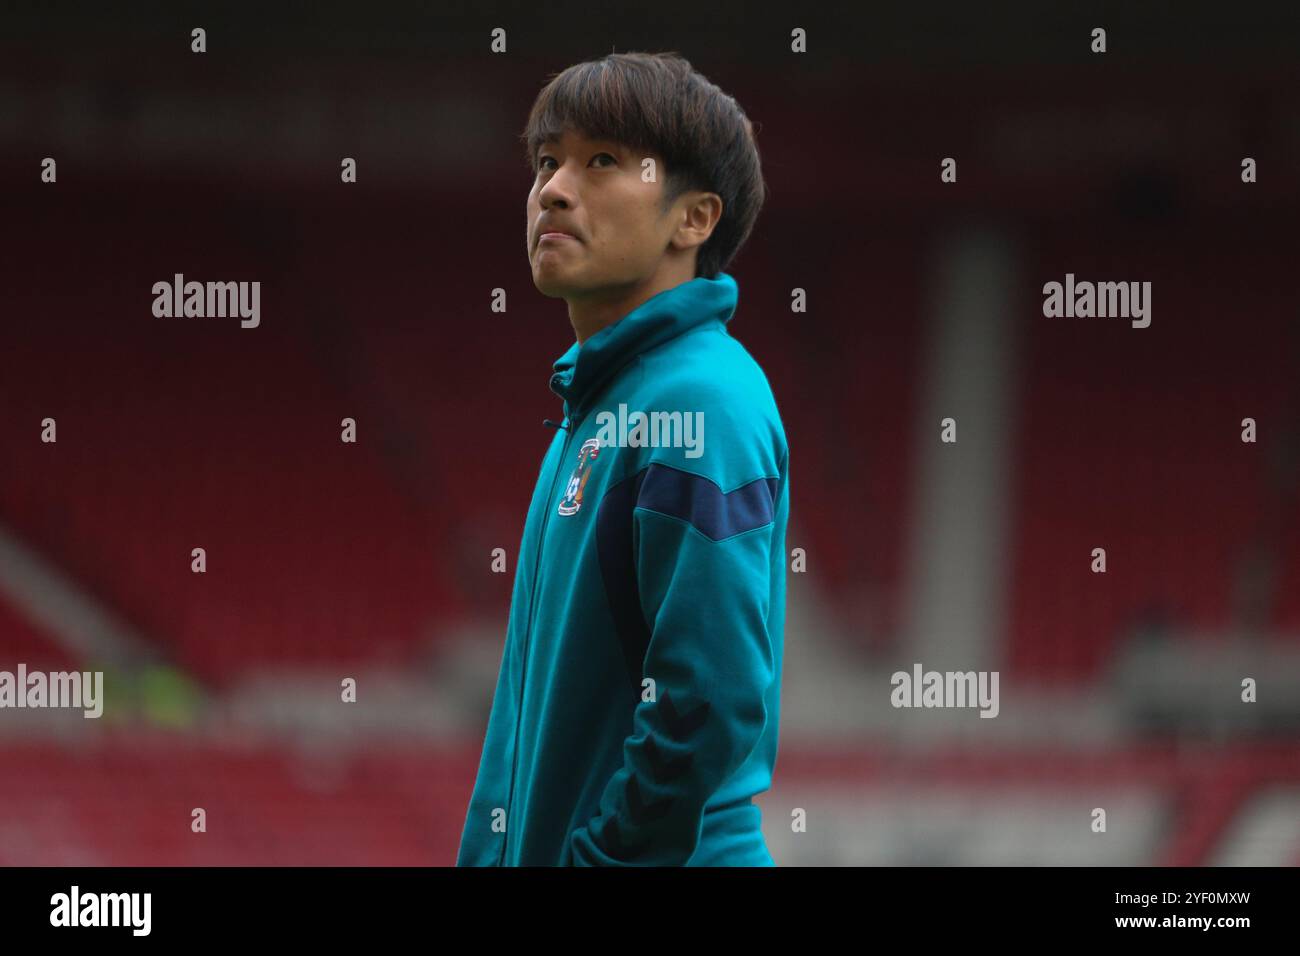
(555, 141)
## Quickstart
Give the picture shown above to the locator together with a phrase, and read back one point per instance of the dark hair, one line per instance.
(659, 103)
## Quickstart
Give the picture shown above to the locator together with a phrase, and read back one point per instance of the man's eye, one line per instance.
(543, 160)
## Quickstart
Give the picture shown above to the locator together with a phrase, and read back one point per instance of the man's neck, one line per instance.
(588, 314)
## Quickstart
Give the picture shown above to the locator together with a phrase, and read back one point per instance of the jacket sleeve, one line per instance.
(703, 573)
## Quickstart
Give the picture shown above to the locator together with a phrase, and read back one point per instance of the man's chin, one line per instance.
(555, 286)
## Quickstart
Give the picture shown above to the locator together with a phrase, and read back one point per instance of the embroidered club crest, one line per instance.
(572, 499)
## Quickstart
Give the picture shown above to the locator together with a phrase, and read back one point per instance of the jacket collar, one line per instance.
(582, 370)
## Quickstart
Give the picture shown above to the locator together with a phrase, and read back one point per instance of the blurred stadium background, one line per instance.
(1118, 690)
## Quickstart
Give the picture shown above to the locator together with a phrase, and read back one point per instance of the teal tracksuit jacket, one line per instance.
(635, 713)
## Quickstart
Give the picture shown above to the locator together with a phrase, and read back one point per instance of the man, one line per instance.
(635, 715)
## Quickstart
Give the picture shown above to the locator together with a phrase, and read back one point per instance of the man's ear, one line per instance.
(699, 216)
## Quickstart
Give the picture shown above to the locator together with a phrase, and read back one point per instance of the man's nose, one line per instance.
(557, 191)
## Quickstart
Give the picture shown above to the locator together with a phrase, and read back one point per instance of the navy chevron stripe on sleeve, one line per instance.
(703, 505)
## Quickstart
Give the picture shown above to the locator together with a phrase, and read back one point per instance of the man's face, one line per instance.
(592, 189)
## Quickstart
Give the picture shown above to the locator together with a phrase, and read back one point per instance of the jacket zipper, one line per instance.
(528, 631)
